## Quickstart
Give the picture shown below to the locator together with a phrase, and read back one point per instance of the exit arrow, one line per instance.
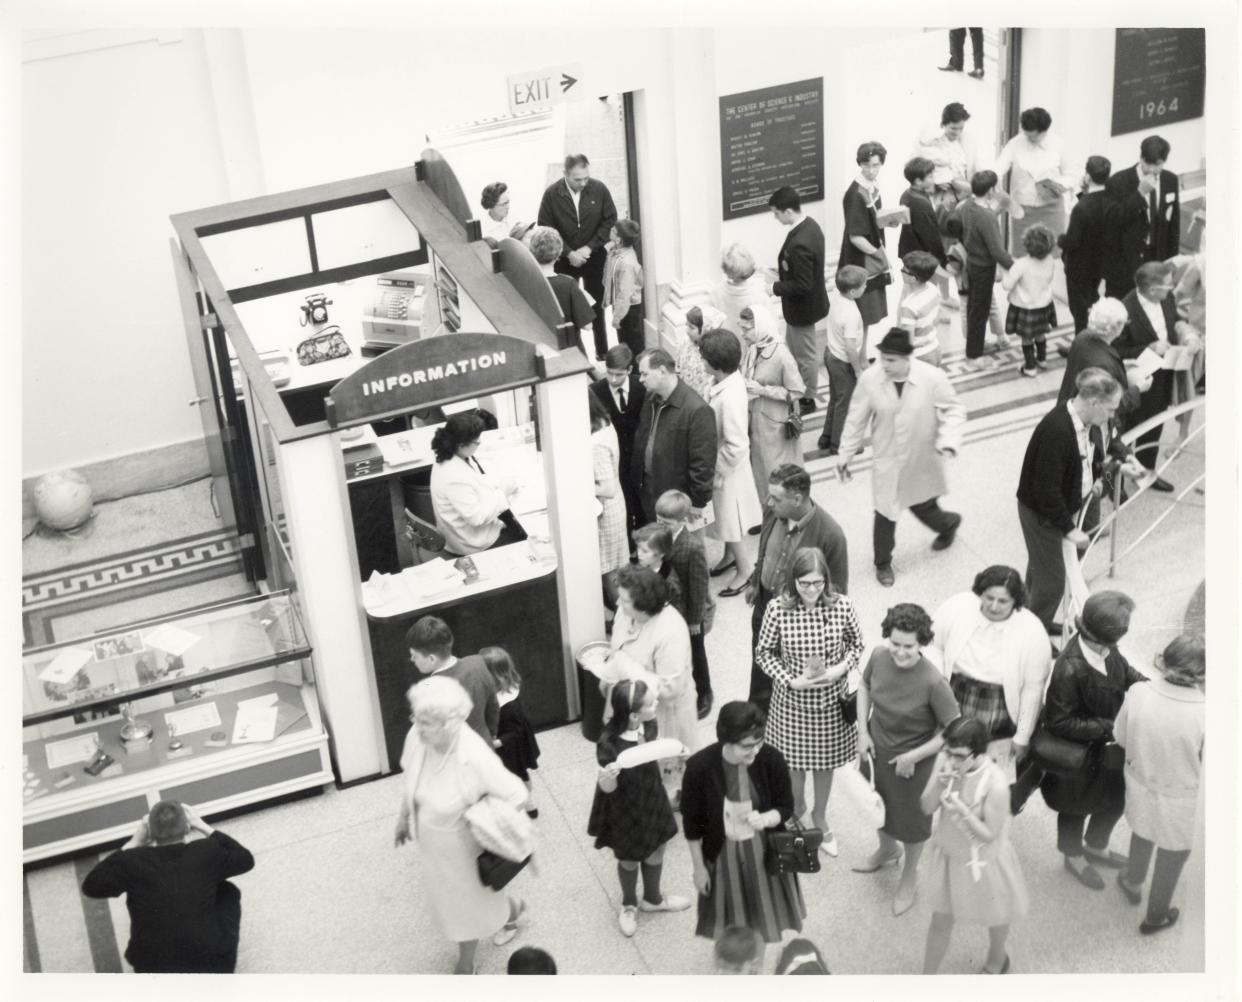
(567, 81)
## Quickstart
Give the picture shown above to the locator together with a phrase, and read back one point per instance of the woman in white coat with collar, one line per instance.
(734, 498)
(1161, 726)
(448, 768)
(996, 656)
(471, 508)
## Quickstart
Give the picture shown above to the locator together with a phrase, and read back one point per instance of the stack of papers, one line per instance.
(404, 448)
(256, 719)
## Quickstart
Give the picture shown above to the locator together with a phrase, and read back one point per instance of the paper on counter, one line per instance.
(197, 717)
(171, 639)
(413, 446)
(66, 664)
(254, 723)
(79, 748)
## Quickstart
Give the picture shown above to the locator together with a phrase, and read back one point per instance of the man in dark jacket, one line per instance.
(623, 395)
(581, 210)
(1084, 243)
(800, 285)
(185, 916)
(793, 521)
(675, 444)
(1144, 217)
(1063, 463)
(1085, 693)
(1095, 348)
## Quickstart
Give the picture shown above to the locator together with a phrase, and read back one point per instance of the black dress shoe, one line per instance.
(885, 575)
(704, 705)
(754, 530)
(731, 592)
(1147, 927)
(945, 539)
(822, 443)
(717, 571)
(1162, 485)
(1063, 351)
(978, 75)
(806, 405)
(949, 69)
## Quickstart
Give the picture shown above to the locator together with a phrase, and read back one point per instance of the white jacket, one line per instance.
(467, 505)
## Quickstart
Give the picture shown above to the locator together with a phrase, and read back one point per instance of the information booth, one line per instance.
(333, 328)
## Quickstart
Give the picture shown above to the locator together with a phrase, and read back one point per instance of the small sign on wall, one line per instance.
(1158, 77)
(544, 88)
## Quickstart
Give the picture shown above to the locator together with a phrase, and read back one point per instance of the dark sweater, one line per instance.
(703, 794)
(981, 237)
(822, 533)
(922, 233)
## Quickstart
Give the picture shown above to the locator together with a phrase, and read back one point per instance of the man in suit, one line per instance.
(800, 285)
(675, 443)
(1144, 216)
(581, 210)
(1083, 244)
(623, 395)
(1061, 470)
(793, 520)
(1154, 325)
(184, 913)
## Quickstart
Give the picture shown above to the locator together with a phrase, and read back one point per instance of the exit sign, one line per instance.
(544, 88)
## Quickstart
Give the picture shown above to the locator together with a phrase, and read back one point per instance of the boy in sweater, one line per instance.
(844, 356)
(689, 561)
(984, 251)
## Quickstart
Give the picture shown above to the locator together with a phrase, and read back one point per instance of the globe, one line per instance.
(63, 499)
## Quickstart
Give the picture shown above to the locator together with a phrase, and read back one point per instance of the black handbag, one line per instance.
(1056, 754)
(495, 871)
(793, 418)
(792, 849)
(849, 706)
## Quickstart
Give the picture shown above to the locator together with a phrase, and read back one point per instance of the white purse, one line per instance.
(860, 792)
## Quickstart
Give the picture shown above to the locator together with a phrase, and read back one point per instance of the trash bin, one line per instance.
(588, 688)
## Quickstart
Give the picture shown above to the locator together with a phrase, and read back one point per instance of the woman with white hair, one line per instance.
(1161, 726)
(740, 287)
(1093, 348)
(448, 768)
(772, 380)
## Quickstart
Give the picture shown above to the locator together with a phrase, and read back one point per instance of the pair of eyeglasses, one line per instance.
(810, 582)
(962, 753)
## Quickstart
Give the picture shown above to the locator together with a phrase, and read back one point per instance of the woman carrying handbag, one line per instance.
(903, 705)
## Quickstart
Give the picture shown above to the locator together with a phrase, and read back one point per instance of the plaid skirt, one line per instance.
(985, 702)
(1028, 324)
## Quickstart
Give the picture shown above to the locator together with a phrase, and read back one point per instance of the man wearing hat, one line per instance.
(185, 916)
(1085, 693)
(1061, 470)
(914, 418)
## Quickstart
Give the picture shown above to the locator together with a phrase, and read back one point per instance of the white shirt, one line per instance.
(1095, 660)
(954, 158)
(575, 195)
(1033, 162)
(1085, 447)
(467, 506)
(981, 658)
(1155, 313)
(1029, 282)
(616, 392)
(497, 229)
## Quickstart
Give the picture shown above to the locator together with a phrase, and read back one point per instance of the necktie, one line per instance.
(621, 396)
(1153, 210)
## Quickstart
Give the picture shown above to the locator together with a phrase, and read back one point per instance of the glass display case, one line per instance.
(216, 708)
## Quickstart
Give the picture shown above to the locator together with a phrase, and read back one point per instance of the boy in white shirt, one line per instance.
(920, 305)
(845, 355)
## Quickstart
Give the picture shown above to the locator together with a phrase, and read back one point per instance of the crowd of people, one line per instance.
(955, 717)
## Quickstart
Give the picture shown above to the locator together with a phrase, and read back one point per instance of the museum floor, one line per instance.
(329, 893)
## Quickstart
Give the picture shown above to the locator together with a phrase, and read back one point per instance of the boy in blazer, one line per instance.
(1083, 245)
(1145, 216)
(800, 285)
(623, 395)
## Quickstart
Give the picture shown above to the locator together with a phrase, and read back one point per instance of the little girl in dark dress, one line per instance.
(631, 814)
(515, 739)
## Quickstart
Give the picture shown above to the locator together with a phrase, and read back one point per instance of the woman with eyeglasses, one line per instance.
(810, 639)
(973, 872)
(732, 792)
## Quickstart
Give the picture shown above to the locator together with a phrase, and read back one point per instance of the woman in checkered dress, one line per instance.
(810, 639)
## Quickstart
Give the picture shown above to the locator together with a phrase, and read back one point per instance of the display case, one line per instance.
(216, 708)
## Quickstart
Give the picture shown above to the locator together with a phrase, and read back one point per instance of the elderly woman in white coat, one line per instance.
(772, 380)
(448, 768)
(1161, 727)
(914, 419)
(996, 656)
(734, 498)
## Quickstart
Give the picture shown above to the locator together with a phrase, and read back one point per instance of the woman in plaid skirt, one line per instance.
(1032, 314)
(809, 640)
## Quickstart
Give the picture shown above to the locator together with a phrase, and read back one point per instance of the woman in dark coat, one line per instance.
(862, 242)
(732, 791)
(1089, 683)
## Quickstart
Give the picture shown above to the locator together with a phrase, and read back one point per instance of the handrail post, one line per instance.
(1118, 481)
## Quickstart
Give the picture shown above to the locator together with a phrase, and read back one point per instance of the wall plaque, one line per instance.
(1158, 77)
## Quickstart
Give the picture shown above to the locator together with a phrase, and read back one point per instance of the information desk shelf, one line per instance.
(83, 785)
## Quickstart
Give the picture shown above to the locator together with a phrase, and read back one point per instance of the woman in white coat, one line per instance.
(734, 498)
(448, 768)
(996, 656)
(1161, 728)
(914, 419)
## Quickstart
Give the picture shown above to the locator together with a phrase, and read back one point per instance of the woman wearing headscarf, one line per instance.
(1088, 685)
(1161, 727)
(772, 381)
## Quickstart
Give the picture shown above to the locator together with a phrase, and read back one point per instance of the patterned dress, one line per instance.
(806, 724)
(743, 892)
(614, 552)
(635, 819)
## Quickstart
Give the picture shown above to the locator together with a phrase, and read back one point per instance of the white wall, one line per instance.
(1081, 102)
(115, 139)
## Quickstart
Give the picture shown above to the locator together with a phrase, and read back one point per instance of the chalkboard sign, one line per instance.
(1158, 77)
(770, 138)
